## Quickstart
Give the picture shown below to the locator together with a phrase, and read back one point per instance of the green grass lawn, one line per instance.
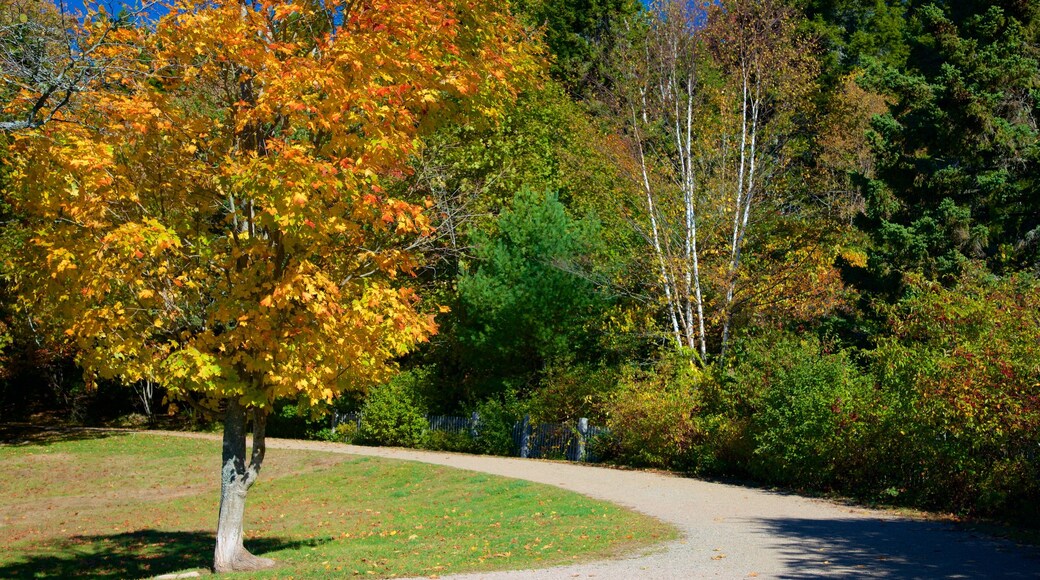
(138, 505)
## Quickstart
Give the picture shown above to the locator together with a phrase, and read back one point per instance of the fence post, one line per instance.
(525, 436)
(474, 429)
(583, 435)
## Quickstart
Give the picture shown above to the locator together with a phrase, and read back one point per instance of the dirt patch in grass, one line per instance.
(50, 458)
(49, 432)
(90, 486)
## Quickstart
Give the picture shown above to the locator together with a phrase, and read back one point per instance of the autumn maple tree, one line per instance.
(212, 216)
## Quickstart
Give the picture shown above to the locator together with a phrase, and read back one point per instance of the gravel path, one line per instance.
(736, 532)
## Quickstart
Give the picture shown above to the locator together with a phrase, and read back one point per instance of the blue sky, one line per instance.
(114, 5)
(77, 5)
(111, 6)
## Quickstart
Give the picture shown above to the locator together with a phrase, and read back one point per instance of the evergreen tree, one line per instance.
(852, 32)
(956, 159)
(524, 301)
(580, 36)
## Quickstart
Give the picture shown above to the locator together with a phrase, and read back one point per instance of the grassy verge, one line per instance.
(125, 506)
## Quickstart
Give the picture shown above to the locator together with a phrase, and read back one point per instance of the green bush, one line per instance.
(300, 420)
(521, 304)
(652, 419)
(342, 433)
(570, 391)
(445, 441)
(962, 372)
(394, 415)
(292, 420)
(810, 411)
(497, 418)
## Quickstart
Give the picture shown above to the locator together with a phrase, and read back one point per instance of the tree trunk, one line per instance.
(235, 480)
(673, 307)
(146, 392)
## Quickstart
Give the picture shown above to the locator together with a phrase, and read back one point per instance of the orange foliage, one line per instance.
(211, 216)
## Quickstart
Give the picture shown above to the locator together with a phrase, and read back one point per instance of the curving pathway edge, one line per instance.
(730, 531)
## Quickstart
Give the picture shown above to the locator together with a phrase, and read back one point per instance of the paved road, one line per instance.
(736, 532)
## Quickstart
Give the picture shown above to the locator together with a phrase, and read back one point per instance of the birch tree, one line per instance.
(711, 94)
(659, 97)
(768, 73)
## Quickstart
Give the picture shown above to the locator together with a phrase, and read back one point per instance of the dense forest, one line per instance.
(796, 241)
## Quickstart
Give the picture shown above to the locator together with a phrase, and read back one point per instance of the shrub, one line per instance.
(394, 415)
(445, 441)
(963, 370)
(810, 410)
(570, 391)
(343, 433)
(651, 416)
(287, 421)
(497, 418)
(520, 302)
(293, 420)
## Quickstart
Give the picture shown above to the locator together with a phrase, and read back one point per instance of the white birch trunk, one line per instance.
(666, 96)
(686, 184)
(738, 208)
(655, 235)
(692, 253)
(742, 213)
(739, 202)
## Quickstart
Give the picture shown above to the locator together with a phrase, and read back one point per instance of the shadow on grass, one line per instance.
(30, 434)
(894, 548)
(139, 554)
